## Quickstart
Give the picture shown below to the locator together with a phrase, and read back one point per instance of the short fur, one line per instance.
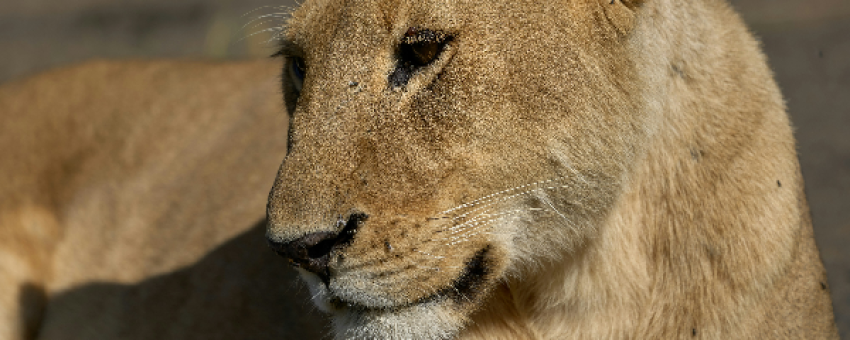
(131, 205)
(626, 169)
(614, 170)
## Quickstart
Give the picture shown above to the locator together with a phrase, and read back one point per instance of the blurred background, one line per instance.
(807, 43)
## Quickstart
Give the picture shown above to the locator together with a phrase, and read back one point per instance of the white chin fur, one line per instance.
(319, 292)
(427, 321)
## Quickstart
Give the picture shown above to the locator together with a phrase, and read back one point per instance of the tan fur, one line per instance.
(130, 204)
(625, 170)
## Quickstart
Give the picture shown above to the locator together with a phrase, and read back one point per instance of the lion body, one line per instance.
(575, 169)
(133, 186)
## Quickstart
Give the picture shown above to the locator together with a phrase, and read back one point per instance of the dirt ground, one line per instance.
(807, 43)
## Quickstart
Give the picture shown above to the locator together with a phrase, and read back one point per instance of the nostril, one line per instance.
(347, 233)
(323, 248)
(311, 246)
(312, 252)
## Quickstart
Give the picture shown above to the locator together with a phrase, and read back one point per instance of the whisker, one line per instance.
(495, 200)
(549, 203)
(278, 7)
(503, 192)
(475, 221)
(265, 16)
(276, 29)
(256, 24)
(473, 229)
(431, 255)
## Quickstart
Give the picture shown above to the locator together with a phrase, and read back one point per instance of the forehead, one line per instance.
(318, 20)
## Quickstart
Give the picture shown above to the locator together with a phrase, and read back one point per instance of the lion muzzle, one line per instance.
(312, 252)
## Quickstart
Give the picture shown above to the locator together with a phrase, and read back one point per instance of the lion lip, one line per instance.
(342, 304)
(461, 290)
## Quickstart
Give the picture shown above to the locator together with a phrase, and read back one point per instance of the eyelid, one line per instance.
(420, 35)
(289, 49)
(417, 38)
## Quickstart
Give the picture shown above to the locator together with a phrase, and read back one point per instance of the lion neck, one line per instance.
(596, 292)
(706, 220)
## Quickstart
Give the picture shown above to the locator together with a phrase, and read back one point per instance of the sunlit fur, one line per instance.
(626, 169)
(618, 170)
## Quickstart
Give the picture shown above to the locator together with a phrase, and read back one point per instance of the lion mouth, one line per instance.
(462, 290)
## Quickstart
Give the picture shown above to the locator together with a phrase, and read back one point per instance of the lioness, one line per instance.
(584, 169)
(131, 204)
(453, 169)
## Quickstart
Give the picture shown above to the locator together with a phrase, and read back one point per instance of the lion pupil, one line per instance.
(298, 68)
(419, 54)
(418, 48)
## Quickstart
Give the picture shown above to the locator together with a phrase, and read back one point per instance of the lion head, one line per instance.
(436, 147)
(441, 150)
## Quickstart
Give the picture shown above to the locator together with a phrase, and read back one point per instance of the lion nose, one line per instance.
(312, 251)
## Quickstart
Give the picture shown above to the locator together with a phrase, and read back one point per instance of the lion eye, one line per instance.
(297, 72)
(418, 48)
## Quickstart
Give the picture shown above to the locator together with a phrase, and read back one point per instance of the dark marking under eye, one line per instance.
(418, 48)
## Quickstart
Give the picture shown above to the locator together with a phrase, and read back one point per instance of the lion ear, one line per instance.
(621, 13)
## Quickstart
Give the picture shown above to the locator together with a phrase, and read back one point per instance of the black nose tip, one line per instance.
(312, 252)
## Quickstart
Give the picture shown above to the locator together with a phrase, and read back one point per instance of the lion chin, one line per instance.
(360, 311)
(354, 321)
